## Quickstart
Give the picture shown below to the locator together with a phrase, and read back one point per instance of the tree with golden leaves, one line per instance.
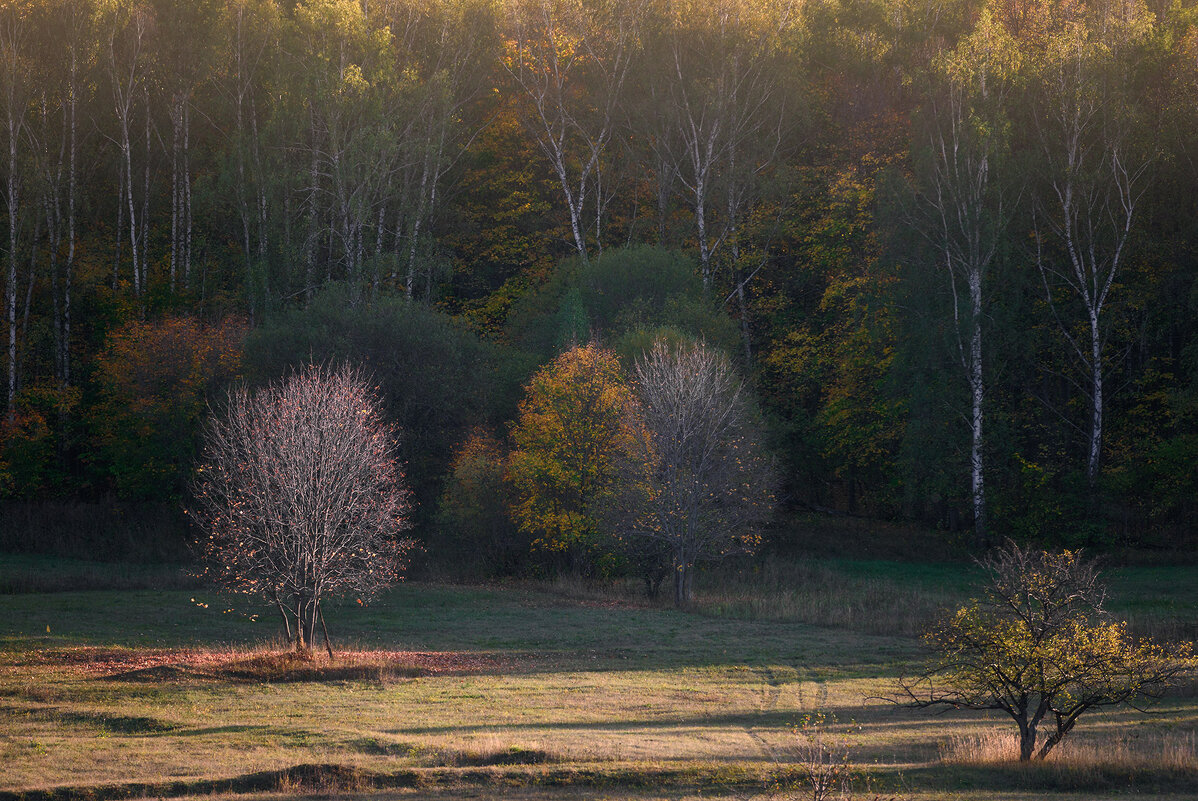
(575, 425)
(1041, 648)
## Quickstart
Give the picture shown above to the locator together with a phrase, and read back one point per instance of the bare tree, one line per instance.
(701, 484)
(1041, 648)
(301, 497)
(965, 209)
(1095, 180)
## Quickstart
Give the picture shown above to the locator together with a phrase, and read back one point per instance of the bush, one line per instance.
(437, 380)
(641, 289)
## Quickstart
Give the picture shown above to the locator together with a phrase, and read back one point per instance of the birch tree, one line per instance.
(125, 30)
(15, 89)
(721, 109)
(185, 54)
(965, 208)
(250, 27)
(445, 47)
(569, 61)
(1095, 176)
(350, 143)
(55, 139)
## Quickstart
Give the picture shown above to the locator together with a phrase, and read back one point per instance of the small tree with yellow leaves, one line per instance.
(575, 422)
(1041, 648)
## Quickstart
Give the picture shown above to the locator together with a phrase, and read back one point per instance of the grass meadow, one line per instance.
(145, 685)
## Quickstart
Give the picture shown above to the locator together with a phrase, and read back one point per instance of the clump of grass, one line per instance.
(323, 778)
(512, 755)
(290, 666)
(1096, 760)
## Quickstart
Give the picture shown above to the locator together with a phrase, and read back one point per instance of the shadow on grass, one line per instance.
(1053, 777)
(116, 724)
(332, 779)
(336, 778)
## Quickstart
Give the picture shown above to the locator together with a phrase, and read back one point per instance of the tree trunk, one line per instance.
(1027, 741)
(1095, 449)
(11, 287)
(977, 393)
(325, 629)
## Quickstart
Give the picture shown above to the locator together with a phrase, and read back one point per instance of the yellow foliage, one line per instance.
(573, 423)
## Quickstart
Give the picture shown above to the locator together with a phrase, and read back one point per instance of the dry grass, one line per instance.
(1150, 749)
(482, 690)
(822, 595)
(1098, 758)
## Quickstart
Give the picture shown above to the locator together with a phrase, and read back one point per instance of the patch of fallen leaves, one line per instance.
(155, 664)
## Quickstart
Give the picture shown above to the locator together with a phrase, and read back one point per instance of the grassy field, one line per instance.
(524, 692)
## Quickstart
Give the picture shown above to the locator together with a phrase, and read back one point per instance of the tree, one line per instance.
(301, 497)
(575, 423)
(568, 61)
(719, 114)
(473, 524)
(154, 382)
(1096, 175)
(964, 201)
(126, 29)
(1040, 647)
(14, 90)
(700, 483)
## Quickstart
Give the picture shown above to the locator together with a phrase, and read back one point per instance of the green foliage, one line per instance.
(436, 379)
(623, 298)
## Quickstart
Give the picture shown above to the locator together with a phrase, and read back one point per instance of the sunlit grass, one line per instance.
(509, 690)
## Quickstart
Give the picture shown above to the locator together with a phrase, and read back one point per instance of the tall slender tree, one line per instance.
(965, 205)
(1095, 176)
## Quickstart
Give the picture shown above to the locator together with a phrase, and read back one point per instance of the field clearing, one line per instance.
(522, 693)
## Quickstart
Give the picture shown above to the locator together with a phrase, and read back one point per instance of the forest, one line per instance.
(950, 245)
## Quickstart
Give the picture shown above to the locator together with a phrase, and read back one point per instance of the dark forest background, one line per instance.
(951, 244)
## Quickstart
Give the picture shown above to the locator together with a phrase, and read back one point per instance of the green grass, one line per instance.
(524, 693)
(33, 573)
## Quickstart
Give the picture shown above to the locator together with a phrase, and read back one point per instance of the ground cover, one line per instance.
(524, 692)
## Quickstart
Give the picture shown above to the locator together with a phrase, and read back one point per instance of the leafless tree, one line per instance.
(300, 496)
(1096, 177)
(701, 484)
